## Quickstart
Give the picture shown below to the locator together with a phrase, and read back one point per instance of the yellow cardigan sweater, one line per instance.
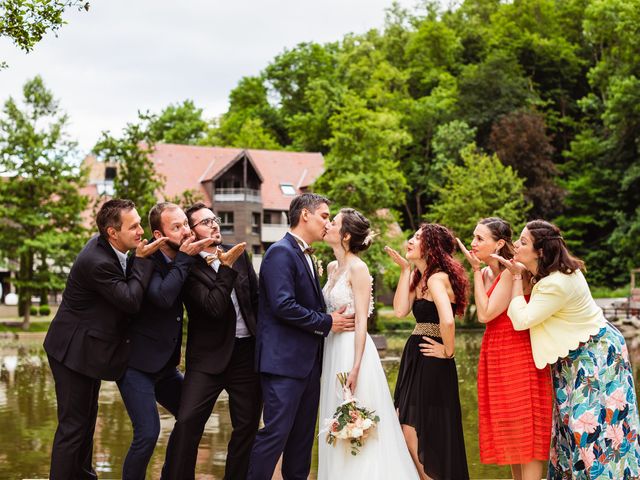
(560, 315)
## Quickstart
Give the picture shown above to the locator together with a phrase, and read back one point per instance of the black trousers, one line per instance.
(77, 397)
(199, 394)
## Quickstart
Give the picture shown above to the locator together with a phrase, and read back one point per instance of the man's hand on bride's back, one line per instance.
(342, 322)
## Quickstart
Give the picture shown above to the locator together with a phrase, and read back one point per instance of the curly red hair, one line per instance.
(437, 244)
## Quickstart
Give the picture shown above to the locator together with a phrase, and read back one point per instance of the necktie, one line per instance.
(211, 258)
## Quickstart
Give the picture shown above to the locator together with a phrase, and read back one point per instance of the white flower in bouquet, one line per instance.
(351, 421)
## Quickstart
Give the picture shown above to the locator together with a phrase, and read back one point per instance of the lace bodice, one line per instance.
(337, 292)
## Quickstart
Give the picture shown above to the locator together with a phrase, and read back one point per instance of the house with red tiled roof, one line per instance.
(250, 190)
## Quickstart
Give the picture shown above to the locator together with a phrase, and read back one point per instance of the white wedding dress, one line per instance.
(384, 455)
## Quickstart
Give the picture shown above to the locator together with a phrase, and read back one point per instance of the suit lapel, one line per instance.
(300, 253)
(204, 270)
(107, 246)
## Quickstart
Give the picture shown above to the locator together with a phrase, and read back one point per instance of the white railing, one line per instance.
(237, 195)
(273, 232)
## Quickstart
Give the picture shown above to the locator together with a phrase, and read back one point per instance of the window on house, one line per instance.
(255, 223)
(226, 223)
(287, 189)
(110, 173)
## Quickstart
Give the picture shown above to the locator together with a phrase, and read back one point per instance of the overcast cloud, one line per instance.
(128, 55)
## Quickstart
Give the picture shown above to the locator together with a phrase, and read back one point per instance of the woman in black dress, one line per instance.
(426, 393)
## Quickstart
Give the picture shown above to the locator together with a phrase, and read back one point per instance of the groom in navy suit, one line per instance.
(292, 324)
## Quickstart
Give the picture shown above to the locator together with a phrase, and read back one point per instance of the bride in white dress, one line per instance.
(384, 454)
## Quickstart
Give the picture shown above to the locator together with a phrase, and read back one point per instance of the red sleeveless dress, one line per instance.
(514, 397)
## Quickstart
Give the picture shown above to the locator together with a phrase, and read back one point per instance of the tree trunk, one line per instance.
(27, 313)
(26, 275)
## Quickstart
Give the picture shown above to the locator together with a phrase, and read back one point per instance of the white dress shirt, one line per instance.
(122, 258)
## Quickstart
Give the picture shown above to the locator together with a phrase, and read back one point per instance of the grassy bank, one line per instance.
(608, 292)
(15, 326)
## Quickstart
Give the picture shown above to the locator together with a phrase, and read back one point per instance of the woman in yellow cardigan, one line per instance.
(595, 417)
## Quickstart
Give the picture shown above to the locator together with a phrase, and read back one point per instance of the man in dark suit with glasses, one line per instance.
(221, 297)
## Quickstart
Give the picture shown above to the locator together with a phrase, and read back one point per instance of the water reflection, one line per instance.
(28, 416)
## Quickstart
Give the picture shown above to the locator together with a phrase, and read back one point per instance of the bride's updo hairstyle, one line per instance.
(437, 245)
(359, 227)
(555, 256)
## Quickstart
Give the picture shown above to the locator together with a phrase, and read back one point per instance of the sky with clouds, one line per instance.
(128, 55)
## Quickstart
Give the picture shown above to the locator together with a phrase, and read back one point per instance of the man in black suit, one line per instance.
(156, 337)
(87, 341)
(221, 296)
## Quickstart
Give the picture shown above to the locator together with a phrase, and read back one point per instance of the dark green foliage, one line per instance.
(40, 203)
(25, 22)
(136, 179)
(551, 86)
(180, 123)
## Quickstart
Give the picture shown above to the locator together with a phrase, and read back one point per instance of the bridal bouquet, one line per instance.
(351, 421)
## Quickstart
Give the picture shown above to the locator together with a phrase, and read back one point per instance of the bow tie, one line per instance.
(211, 258)
(307, 250)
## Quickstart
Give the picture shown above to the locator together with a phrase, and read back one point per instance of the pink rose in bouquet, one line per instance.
(351, 421)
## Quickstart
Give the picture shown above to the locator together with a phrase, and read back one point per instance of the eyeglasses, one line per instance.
(211, 222)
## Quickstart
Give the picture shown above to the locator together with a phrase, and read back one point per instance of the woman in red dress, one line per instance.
(514, 397)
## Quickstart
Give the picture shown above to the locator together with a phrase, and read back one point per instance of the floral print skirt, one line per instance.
(595, 414)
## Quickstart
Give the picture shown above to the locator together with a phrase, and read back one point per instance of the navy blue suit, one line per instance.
(292, 324)
(152, 374)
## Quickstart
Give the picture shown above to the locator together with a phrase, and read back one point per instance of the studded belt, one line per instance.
(428, 329)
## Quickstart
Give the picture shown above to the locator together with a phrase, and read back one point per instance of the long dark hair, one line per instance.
(437, 244)
(555, 256)
(500, 230)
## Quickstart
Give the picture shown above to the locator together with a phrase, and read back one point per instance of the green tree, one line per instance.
(481, 187)
(291, 72)
(136, 178)
(362, 171)
(186, 198)
(448, 142)
(181, 123)
(26, 22)
(249, 113)
(442, 76)
(40, 203)
(422, 118)
(492, 88)
(252, 134)
(602, 171)
(362, 168)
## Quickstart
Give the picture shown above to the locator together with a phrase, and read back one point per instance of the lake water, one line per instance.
(28, 416)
